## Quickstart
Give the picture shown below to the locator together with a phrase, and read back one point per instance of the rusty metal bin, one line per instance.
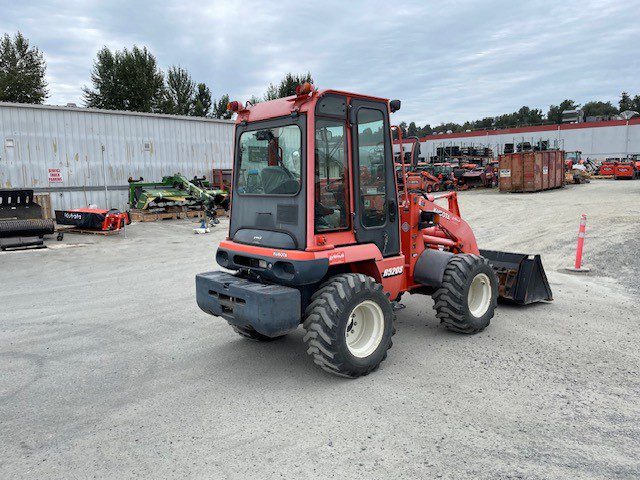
(531, 171)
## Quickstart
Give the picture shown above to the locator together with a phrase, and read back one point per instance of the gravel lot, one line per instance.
(109, 369)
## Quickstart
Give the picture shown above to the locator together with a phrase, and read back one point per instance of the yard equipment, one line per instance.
(411, 174)
(339, 264)
(93, 219)
(21, 222)
(627, 169)
(177, 191)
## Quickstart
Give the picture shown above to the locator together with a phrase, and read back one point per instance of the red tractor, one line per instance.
(339, 263)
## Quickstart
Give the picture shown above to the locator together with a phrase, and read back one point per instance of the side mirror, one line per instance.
(394, 105)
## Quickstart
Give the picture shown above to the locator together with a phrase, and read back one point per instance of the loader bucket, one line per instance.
(522, 278)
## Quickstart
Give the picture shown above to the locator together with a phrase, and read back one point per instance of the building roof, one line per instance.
(111, 112)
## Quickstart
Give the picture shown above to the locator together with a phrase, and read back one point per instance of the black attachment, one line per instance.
(522, 278)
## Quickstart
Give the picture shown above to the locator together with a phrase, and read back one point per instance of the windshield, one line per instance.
(270, 161)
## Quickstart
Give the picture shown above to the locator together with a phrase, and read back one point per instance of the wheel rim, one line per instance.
(364, 329)
(479, 296)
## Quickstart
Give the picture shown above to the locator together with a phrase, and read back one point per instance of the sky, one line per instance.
(446, 61)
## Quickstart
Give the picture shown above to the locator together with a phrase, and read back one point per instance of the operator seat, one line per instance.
(277, 180)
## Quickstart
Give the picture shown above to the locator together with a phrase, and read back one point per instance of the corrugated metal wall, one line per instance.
(94, 148)
(595, 142)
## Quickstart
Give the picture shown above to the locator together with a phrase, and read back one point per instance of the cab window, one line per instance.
(270, 161)
(331, 176)
(372, 166)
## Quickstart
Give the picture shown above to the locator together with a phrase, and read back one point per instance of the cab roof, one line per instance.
(282, 107)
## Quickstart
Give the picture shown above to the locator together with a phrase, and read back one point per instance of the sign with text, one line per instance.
(55, 175)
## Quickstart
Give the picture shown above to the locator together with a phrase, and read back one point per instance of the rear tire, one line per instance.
(251, 334)
(466, 301)
(349, 325)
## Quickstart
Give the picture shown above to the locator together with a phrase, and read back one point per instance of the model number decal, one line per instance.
(393, 271)
(280, 254)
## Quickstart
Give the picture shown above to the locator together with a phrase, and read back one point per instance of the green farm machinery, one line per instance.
(177, 192)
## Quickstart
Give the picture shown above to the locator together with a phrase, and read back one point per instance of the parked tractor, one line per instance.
(320, 236)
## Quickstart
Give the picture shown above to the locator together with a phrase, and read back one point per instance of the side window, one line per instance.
(372, 166)
(331, 182)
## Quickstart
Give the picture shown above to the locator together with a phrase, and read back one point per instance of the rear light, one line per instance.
(233, 106)
(222, 258)
(304, 89)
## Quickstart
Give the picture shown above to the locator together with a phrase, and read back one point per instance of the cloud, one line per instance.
(447, 61)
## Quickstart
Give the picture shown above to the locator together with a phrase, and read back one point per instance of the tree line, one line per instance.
(528, 116)
(127, 79)
(130, 79)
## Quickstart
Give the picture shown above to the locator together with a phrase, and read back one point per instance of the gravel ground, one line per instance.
(109, 369)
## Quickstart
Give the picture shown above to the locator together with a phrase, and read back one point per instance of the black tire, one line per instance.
(452, 298)
(251, 334)
(330, 313)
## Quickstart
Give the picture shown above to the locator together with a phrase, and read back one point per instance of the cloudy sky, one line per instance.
(446, 61)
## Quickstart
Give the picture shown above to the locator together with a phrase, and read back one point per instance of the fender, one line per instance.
(430, 266)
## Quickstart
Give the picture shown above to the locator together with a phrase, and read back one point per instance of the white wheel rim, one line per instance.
(479, 296)
(364, 329)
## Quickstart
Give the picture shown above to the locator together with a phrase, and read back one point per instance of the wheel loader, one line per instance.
(320, 236)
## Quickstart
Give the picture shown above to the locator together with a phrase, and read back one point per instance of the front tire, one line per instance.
(349, 325)
(467, 299)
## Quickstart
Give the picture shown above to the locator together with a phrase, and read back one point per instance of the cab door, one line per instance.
(374, 186)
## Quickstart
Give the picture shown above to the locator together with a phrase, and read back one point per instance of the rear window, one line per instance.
(270, 161)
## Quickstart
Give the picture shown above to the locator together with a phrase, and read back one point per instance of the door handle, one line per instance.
(393, 210)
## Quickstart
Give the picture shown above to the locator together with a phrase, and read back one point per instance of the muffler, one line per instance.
(521, 277)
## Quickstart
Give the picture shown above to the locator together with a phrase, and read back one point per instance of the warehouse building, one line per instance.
(83, 156)
(596, 140)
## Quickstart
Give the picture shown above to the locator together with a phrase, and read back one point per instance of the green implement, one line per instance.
(177, 190)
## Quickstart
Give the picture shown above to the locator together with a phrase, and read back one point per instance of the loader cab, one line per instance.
(314, 172)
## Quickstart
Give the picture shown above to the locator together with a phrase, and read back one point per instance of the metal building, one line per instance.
(596, 140)
(85, 156)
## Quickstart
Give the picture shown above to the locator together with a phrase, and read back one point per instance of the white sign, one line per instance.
(545, 170)
(505, 172)
(55, 175)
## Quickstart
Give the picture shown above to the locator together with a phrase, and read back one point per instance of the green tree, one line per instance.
(287, 86)
(554, 115)
(424, 131)
(125, 80)
(202, 101)
(220, 108)
(594, 108)
(180, 91)
(625, 102)
(22, 70)
(412, 130)
(636, 103)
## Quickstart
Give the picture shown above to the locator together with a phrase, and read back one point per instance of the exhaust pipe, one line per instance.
(521, 277)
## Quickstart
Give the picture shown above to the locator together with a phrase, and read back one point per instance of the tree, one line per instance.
(287, 86)
(412, 130)
(597, 108)
(625, 102)
(180, 91)
(22, 71)
(202, 101)
(125, 80)
(220, 108)
(554, 115)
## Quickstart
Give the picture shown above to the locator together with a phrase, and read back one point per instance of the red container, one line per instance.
(531, 171)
